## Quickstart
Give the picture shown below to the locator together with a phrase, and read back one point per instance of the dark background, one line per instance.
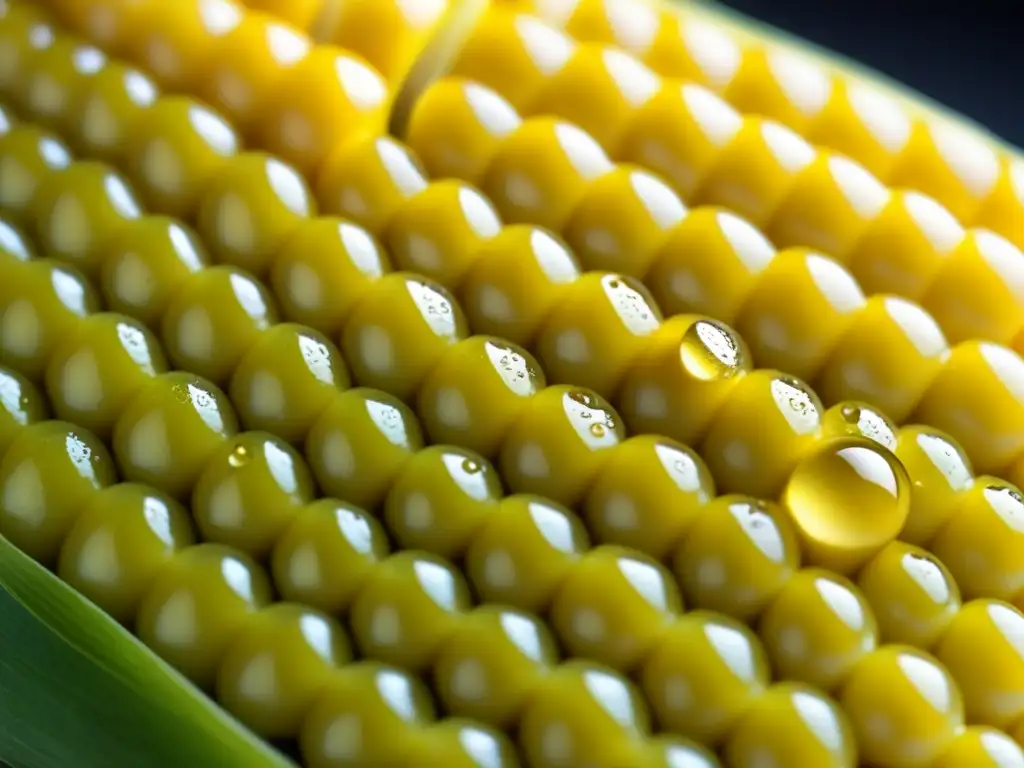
(967, 54)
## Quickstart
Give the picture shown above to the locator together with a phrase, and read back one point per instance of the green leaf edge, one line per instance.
(70, 675)
(715, 10)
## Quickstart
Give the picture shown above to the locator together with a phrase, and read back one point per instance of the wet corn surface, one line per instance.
(649, 398)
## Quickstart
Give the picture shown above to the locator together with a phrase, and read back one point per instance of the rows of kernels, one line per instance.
(569, 603)
(198, 660)
(234, 455)
(858, 368)
(508, 351)
(233, 628)
(292, 96)
(423, 623)
(711, 155)
(636, 608)
(392, 35)
(779, 360)
(980, 184)
(295, 214)
(225, 361)
(621, 218)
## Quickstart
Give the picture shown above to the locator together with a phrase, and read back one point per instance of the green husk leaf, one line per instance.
(730, 17)
(76, 689)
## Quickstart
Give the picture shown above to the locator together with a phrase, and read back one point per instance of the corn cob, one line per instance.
(809, 623)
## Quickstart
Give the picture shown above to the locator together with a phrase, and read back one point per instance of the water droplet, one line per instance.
(710, 352)
(597, 430)
(471, 467)
(181, 393)
(239, 457)
(582, 398)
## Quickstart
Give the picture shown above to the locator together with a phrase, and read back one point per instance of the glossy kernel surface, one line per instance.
(903, 248)
(198, 605)
(385, 706)
(914, 695)
(146, 263)
(709, 264)
(599, 88)
(979, 291)
(109, 110)
(982, 541)
(832, 201)
(250, 209)
(92, 374)
(326, 553)
(174, 150)
(442, 496)
(888, 355)
(396, 336)
(648, 495)
(409, 606)
(359, 444)
(593, 336)
(28, 157)
(250, 489)
(793, 318)
(761, 432)
(541, 171)
(456, 126)
(476, 393)
(323, 270)
(270, 676)
(42, 303)
(984, 651)
(513, 53)
(718, 661)
(597, 718)
(613, 606)
(518, 278)
(654, 136)
(818, 629)
(215, 320)
(524, 551)
(47, 474)
(78, 210)
(560, 443)
(325, 98)
(737, 556)
(368, 180)
(976, 398)
(494, 664)
(793, 724)
(438, 232)
(940, 473)
(754, 171)
(21, 404)
(167, 433)
(685, 372)
(912, 594)
(123, 537)
(176, 42)
(984, 747)
(286, 380)
(248, 63)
